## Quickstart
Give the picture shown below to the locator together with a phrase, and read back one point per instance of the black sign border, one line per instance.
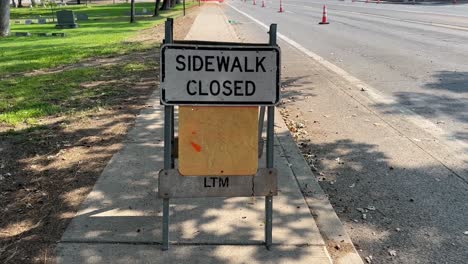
(208, 45)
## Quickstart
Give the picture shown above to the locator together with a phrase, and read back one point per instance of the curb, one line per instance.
(339, 244)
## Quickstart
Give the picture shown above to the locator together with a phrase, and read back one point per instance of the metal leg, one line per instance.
(165, 226)
(172, 137)
(269, 155)
(168, 141)
(268, 221)
(269, 164)
(270, 137)
(168, 162)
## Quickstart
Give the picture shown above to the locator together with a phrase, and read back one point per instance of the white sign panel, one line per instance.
(219, 75)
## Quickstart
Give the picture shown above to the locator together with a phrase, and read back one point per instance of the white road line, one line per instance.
(377, 97)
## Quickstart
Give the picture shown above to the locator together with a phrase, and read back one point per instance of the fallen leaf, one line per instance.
(361, 210)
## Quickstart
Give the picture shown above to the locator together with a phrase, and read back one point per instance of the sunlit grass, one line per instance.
(104, 33)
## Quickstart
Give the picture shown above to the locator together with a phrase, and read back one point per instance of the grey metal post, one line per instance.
(168, 140)
(269, 157)
(261, 117)
(269, 164)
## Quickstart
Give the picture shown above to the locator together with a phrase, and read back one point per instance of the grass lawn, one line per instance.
(67, 92)
(24, 99)
(104, 33)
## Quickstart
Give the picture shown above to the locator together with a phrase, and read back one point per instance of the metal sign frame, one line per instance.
(174, 185)
(169, 175)
(219, 46)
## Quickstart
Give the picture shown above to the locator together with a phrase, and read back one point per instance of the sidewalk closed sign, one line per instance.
(219, 75)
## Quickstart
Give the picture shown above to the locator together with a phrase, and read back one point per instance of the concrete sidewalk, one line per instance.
(120, 221)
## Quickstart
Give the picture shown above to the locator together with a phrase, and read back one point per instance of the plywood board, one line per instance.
(218, 140)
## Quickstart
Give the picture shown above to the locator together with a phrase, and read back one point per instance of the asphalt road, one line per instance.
(414, 54)
(414, 57)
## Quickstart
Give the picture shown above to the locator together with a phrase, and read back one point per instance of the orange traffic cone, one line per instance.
(281, 10)
(324, 17)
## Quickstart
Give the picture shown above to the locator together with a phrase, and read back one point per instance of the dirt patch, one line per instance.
(156, 34)
(338, 250)
(47, 170)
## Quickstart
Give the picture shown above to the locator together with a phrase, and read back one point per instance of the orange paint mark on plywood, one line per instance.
(195, 146)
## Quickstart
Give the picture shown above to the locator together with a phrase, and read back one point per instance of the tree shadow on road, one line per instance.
(456, 82)
(408, 207)
(439, 107)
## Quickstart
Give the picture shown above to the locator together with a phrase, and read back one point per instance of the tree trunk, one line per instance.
(132, 11)
(13, 3)
(20, 4)
(166, 5)
(173, 3)
(177, 2)
(156, 8)
(4, 18)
